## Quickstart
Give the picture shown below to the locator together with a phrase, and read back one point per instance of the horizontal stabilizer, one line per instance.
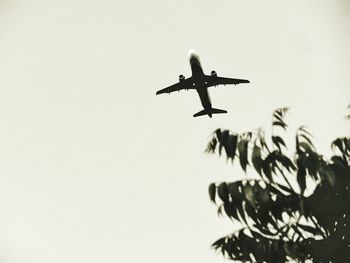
(217, 111)
(209, 112)
(200, 113)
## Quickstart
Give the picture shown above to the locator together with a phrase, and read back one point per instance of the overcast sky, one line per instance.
(95, 168)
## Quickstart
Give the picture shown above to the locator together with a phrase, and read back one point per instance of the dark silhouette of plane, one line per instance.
(201, 82)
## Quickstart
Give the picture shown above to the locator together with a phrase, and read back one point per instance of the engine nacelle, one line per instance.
(213, 73)
(181, 78)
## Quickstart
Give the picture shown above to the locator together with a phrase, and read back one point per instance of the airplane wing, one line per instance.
(216, 80)
(182, 85)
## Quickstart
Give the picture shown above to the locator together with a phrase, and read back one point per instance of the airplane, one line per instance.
(201, 82)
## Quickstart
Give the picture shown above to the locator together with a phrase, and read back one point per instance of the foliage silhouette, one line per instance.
(297, 207)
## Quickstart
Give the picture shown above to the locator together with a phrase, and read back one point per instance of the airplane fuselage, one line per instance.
(199, 83)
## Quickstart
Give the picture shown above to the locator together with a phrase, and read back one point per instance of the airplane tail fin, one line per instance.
(212, 111)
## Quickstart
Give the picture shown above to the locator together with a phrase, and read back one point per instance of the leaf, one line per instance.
(343, 144)
(267, 169)
(256, 159)
(218, 133)
(339, 144)
(275, 158)
(220, 210)
(251, 212)
(211, 146)
(249, 194)
(307, 139)
(281, 124)
(231, 145)
(285, 188)
(212, 192)
(264, 230)
(301, 178)
(230, 210)
(338, 161)
(257, 235)
(231, 247)
(347, 144)
(222, 137)
(278, 116)
(284, 110)
(304, 130)
(305, 146)
(241, 212)
(309, 229)
(223, 192)
(261, 138)
(313, 164)
(295, 228)
(218, 243)
(234, 189)
(277, 140)
(243, 153)
(286, 162)
(280, 112)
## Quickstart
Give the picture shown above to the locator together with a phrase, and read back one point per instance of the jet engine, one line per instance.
(181, 78)
(213, 73)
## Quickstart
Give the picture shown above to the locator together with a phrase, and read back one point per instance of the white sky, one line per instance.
(95, 168)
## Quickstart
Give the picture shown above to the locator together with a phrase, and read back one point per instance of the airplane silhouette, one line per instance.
(200, 82)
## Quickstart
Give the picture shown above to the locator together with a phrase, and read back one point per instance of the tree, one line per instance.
(296, 207)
